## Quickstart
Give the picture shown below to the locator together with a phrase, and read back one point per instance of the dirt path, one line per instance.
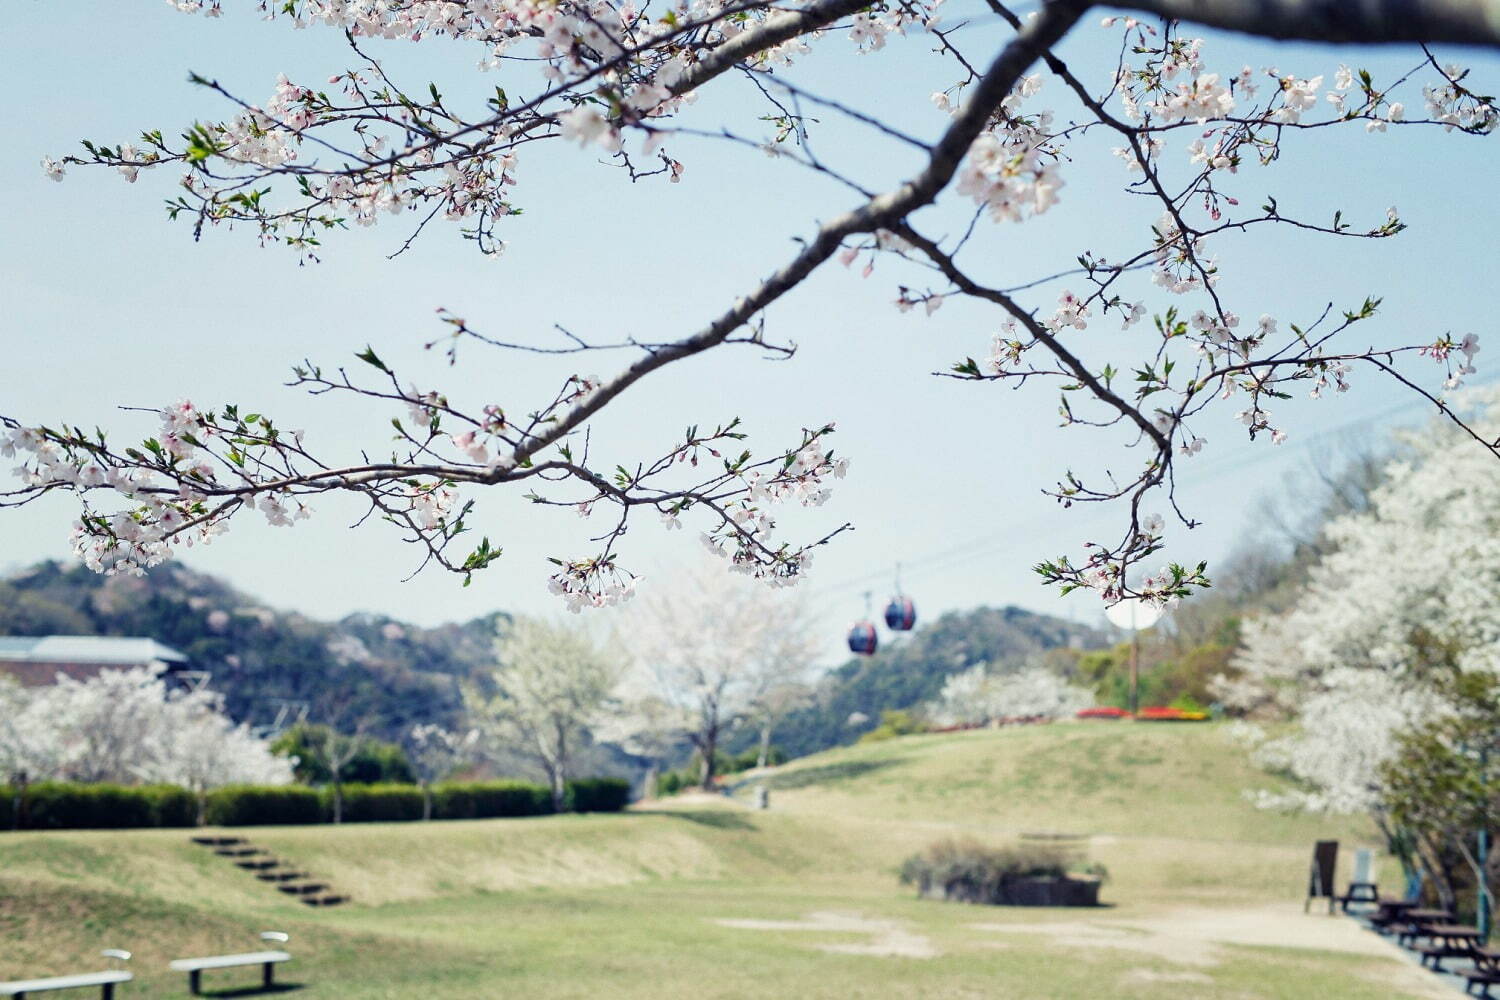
(1190, 936)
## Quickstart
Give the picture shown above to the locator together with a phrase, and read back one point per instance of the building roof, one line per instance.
(98, 649)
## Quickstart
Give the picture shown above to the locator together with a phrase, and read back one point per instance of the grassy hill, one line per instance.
(706, 898)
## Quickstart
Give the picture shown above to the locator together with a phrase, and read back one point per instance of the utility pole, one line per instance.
(1135, 673)
(1134, 614)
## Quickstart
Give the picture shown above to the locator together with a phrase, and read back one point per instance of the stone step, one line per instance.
(281, 876)
(303, 888)
(325, 900)
(218, 841)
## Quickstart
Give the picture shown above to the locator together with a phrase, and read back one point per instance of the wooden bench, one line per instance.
(105, 980)
(1415, 924)
(267, 960)
(1389, 912)
(1486, 972)
(1449, 941)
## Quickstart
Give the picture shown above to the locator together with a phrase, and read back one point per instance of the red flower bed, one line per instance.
(1103, 712)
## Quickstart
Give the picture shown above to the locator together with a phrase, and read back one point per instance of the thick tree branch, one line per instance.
(1466, 22)
(882, 211)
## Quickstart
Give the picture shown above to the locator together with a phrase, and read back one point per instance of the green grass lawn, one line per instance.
(696, 898)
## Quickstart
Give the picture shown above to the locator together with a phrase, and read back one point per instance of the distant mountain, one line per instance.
(267, 662)
(909, 671)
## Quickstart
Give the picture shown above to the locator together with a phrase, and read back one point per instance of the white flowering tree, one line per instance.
(127, 726)
(709, 653)
(978, 696)
(1409, 586)
(1347, 729)
(205, 749)
(553, 683)
(618, 80)
(1406, 596)
(31, 746)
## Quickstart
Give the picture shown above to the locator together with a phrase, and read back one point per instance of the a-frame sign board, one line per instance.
(1320, 874)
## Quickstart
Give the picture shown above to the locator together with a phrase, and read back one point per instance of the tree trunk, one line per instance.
(557, 772)
(708, 748)
(650, 785)
(18, 800)
(765, 744)
(426, 801)
(338, 799)
(1438, 876)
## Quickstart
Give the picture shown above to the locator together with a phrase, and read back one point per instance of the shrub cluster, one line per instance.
(971, 872)
(894, 723)
(375, 762)
(672, 782)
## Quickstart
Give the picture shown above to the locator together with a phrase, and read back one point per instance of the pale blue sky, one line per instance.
(105, 303)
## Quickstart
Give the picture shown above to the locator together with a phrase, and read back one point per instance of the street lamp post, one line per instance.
(1482, 848)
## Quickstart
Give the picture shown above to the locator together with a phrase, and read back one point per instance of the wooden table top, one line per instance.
(1430, 915)
(1454, 931)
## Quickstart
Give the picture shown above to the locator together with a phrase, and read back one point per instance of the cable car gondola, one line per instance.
(900, 613)
(863, 640)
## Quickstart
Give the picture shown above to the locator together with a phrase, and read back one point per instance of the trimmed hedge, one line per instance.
(59, 805)
(64, 805)
(599, 794)
(489, 799)
(263, 805)
(382, 803)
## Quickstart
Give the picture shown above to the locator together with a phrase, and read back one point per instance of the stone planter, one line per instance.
(1017, 891)
(1049, 892)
